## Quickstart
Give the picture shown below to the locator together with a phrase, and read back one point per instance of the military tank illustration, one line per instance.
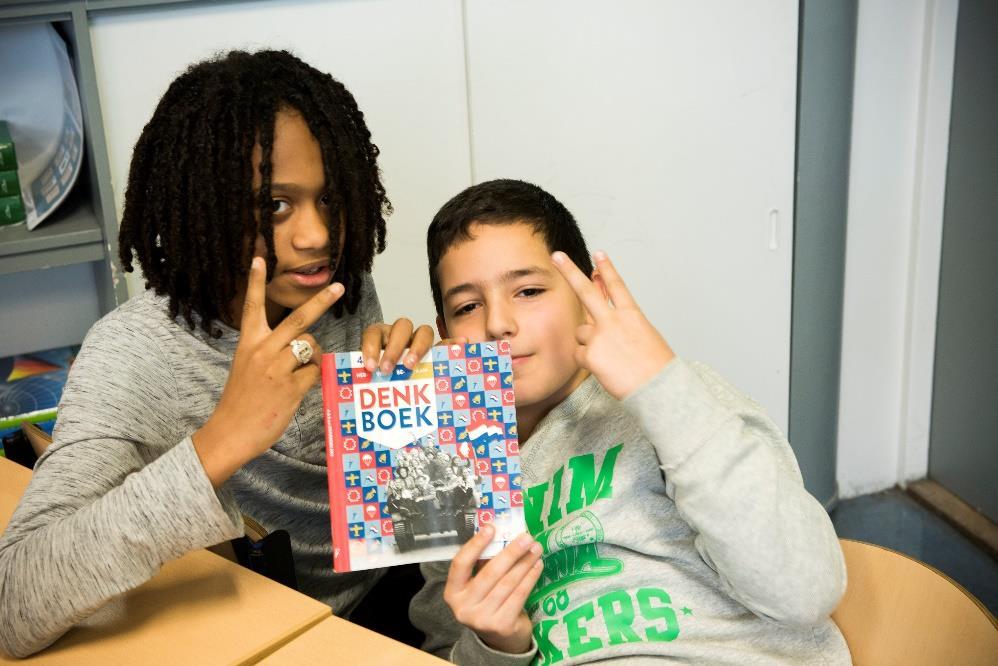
(433, 499)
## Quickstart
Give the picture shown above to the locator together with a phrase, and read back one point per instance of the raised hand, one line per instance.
(266, 382)
(619, 346)
(490, 602)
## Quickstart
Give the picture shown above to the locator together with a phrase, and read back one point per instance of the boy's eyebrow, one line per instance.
(508, 276)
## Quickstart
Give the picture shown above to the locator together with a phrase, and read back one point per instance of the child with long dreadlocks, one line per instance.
(254, 207)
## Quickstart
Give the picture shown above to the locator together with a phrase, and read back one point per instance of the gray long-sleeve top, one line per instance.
(675, 526)
(121, 490)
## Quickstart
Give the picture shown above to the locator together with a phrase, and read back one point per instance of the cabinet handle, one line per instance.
(774, 229)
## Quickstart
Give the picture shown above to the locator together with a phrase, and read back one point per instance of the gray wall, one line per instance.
(824, 122)
(46, 308)
(963, 449)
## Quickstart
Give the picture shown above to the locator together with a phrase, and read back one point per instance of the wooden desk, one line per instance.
(14, 479)
(199, 609)
(335, 640)
(203, 609)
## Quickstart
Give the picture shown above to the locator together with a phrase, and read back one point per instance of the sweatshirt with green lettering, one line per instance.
(675, 525)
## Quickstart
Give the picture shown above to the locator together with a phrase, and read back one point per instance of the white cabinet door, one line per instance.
(668, 129)
(403, 61)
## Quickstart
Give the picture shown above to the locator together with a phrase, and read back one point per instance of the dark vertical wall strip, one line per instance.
(827, 46)
(963, 441)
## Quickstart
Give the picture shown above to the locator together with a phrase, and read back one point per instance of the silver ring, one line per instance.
(302, 351)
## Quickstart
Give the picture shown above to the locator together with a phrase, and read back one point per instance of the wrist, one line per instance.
(507, 644)
(215, 453)
(658, 362)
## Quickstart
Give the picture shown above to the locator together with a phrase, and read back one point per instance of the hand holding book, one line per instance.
(490, 601)
(390, 342)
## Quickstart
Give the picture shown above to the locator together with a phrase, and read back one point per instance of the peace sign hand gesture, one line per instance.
(266, 382)
(618, 345)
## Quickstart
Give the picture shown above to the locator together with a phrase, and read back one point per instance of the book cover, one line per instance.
(31, 386)
(420, 459)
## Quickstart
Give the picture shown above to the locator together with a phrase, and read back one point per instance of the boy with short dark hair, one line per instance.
(667, 511)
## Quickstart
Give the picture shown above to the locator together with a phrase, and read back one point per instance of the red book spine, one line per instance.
(334, 460)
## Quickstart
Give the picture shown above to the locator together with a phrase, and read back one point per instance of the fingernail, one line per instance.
(599, 255)
(524, 540)
(411, 361)
(558, 257)
(369, 364)
(256, 264)
(536, 548)
(335, 289)
(386, 368)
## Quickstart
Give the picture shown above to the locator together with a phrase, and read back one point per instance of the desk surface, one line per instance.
(337, 641)
(200, 608)
(14, 479)
(203, 609)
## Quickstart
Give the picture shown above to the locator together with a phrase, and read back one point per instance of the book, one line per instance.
(8, 158)
(11, 210)
(420, 459)
(31, 386)
(10, 186)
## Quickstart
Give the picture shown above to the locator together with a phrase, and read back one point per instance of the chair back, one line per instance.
(897, 610)
(38, 438)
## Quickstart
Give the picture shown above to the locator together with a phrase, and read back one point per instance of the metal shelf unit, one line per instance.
(84, 229)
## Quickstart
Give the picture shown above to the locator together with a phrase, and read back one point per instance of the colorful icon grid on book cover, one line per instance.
(420, 459)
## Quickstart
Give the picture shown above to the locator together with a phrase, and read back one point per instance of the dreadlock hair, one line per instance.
(191, 215)
(503, 202)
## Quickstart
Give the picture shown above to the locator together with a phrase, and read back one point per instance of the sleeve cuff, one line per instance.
(677, 412)
(208, 517)
(470, 650)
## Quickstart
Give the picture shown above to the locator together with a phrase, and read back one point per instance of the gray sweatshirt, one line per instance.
(121, 490)
(675, 526)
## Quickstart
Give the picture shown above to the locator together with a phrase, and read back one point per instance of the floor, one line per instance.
(893, 519)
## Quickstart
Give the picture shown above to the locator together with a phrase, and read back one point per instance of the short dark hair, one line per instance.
(503, 201)
(190, 212)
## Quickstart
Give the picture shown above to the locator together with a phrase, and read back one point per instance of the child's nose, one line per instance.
(311, 230)
(501, 322)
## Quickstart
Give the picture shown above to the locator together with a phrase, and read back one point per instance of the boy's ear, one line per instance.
(442, 328)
